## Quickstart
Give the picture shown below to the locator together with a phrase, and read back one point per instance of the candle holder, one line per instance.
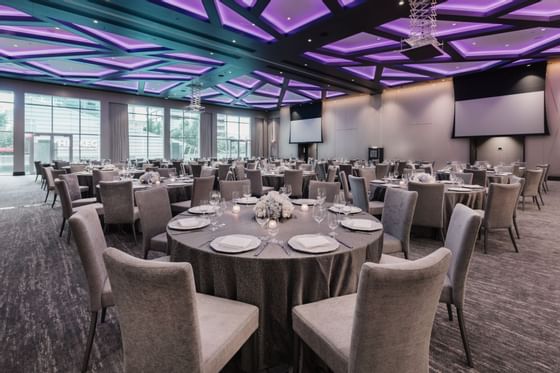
(305, 207)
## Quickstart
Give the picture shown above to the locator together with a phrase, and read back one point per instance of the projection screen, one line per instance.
(305, 131)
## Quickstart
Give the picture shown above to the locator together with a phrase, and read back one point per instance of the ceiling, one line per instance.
(262, 54)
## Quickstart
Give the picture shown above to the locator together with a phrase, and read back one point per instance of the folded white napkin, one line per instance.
(188, 222)
(360, 223)
(377, 181)
(311, 242)
(235, 242)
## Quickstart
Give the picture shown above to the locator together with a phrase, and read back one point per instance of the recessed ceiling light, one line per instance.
(353, 80)
(305, 64)
(57, 28)
(401, 2)
(229, 72)
(309, 40)
(234, 41)
(543, 29)
(474, 43)
(281, 72)
(15, 45)
(507, 45)
(529, 65)
(95, 21)
(288, 18)
(252, 24)
(453, 24)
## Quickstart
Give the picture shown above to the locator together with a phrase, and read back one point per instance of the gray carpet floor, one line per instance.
(512, 306)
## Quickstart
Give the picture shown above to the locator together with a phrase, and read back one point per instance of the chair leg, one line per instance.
(536, 200)
(540, 196)
(36, 177)
(69, 235)
(523, 203)
(103, 314)
(485, 240)
(405, 255)
(54, 200)
(442, 233)
(134, 232)
(449, 312)
(464, 336)
(255, 352)
(297, 354)
(47, 196)
(515, 226)
(91, 336)
(62, 227)
(513, 239)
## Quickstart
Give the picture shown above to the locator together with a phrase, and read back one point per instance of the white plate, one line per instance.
(247, 201)
(446, 182)
(329, 245)
(188, 224)
(459, 190)
(353, 209)
(202, 209)
(365, 225)
(377, 181)
(306, 201)
(240, 243)
(473, 186)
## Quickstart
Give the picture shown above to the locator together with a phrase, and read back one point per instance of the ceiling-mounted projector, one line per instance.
(418, 50)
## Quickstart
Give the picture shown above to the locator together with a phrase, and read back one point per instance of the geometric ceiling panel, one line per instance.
(193, 58)
(127, 84)
(298, 84)
(326, 59)
(18, 48)
(453, 68)
(123, 42)
(232, 90)
(18, 69)
(269, 89)
(8, 13)
(47, 33)
(331, 94)
(69, 68)
(270, 77)
(312, 94)
(471, 7)
(222, 99)
(154, 75)
(401, 27)
(124, 62)
(544, 10)
(289, 15)
(237, 22)
(245, 81)
(186, 68)
(392, 73)
(157, 86)
(193, 7)
(396, 56)
(259, 99)
(291, 97)
(359, 42)
(209, 92)
(366, 72)
(392, 83)
(246, 3)
(511, 43)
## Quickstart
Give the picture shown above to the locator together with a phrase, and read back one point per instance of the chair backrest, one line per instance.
(544, 168)
(368, 173)
(347, 168)
(178, 166)
(49, 176)
(38, 166)
(77, 167)
(331, 174)
(344, 180)
(118, 201)
(479, 176)
(398, 212)
(466, 176)
(73, 186)
(429, 206)
(227, 188)
(196, 169)
(255, 178)
(202, 186)
(251, 165)
(166, 172)
(294, 178)
(239, 171)
(359, 192)
(90, 241)
(320, 171)
(461, 240)
(532, 182)
(98, 176)
(154, 209)
(521, 181)
(207, 171)
(401, 165)
(395, 309)
(305, 167)
(500, 205)
(331, 189)
(381, 170)
(61, 187)
(223, 170)
(140, 287)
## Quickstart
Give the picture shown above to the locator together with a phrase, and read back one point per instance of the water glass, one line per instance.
(273, 228)
(319, 213)
(288, 190)
(246, 191)
(333, 221)
(215, 197)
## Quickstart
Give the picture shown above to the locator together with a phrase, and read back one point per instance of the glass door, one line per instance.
(47, 148)
(62, 148)
(41, 150)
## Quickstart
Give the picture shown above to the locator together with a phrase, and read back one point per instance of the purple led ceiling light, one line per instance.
(359, 42)
(246, 3)
(127, 84)
(194, 58)
(270, 77)
(186, 68)
(245, 81)
(123, 42)
(233, 20)
(258, 99)
(366, 72)
(17, 69)
(269, 89)
(193, 7)
(150, 75)
(298, 84)
(401, 27)
(232, 90)
(7, 13)
(328, 60)
(124, 62)
(544, 10)
(291, 97)
(18, 48)
(47, 33)
(396, 56)
(392, 73)
(208, 92)
(289, 15)
(69, 68)
(332, 94)
(452, 68)
(393, 83)
(220, 99)
(316, 95)
(479, 8)
(159, 86)
(510, 44)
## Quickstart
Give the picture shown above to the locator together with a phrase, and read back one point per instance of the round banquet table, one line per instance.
(277, 181)
(275, 281)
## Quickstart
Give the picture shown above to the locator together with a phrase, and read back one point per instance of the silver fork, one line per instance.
(263, 246)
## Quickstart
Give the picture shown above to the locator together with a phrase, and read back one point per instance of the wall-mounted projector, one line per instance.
(421, 49)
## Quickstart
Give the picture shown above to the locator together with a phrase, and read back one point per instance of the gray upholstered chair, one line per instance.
(202, 186)
(77, 167)
(91, 243)
(381, 170)
(498, 213)
(320, 170)
(305, 167)
(193, 332)
(255, 178)
(99, 176)
(76, 190)
(385, 327)
(398, 213)
(207, 171)
(368, 173)
(154, 209)
(166, 172)
(294, 178)
(541, 183)
(331, 174)
(466, 176)
(196, 169)
(118, 204)
(331, 189)
(251, 166)
(429, 206)
(479, 176)
(360, 196)
(239, 171)
(38, 172)
(521, 181)
(223, 170)
(346, 168)
(531, 188)
(343, 176)
(50, 175)
(68, 209)
(227, 188)
(546, 168)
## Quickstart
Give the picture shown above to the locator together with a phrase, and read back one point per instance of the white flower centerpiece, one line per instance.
(425, 178)
(149, 178)
(278, 206)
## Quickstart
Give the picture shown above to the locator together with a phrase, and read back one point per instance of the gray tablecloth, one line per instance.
(274, 281)
(277, 180)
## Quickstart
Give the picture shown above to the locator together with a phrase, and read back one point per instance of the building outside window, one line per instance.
(6, 132)
(184, 134)
(233, 136)
(61, 128)
(145, 132)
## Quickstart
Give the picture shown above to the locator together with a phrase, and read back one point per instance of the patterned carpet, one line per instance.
(512, 307)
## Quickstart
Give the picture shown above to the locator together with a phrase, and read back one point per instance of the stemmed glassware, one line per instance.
(288, 190)
(321, 196)
(215, 198)
(319, 213)
(246, 192)
(333, 221)
(262, 220)
(339, 201)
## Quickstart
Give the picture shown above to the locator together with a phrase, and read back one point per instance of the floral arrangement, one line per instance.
(425, 178)
(149, 177)
(277, 205)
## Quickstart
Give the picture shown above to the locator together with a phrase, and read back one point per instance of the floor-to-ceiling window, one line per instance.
(61, 128)
(233, 136)
(145, 132)
(184, 134)
(6, 132)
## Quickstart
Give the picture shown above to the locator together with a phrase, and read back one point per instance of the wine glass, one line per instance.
(246, 192)
(215, 197)
(235, 196)
(347, 209)
(333, 221)
(321, 196)
(204, 208)
(273, 229)
(339, 201)
(318, 214)
(262, 219)
(282, 190)
(288, 190)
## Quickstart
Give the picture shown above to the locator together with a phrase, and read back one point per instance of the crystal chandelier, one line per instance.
(422, 42)
(195, 104)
